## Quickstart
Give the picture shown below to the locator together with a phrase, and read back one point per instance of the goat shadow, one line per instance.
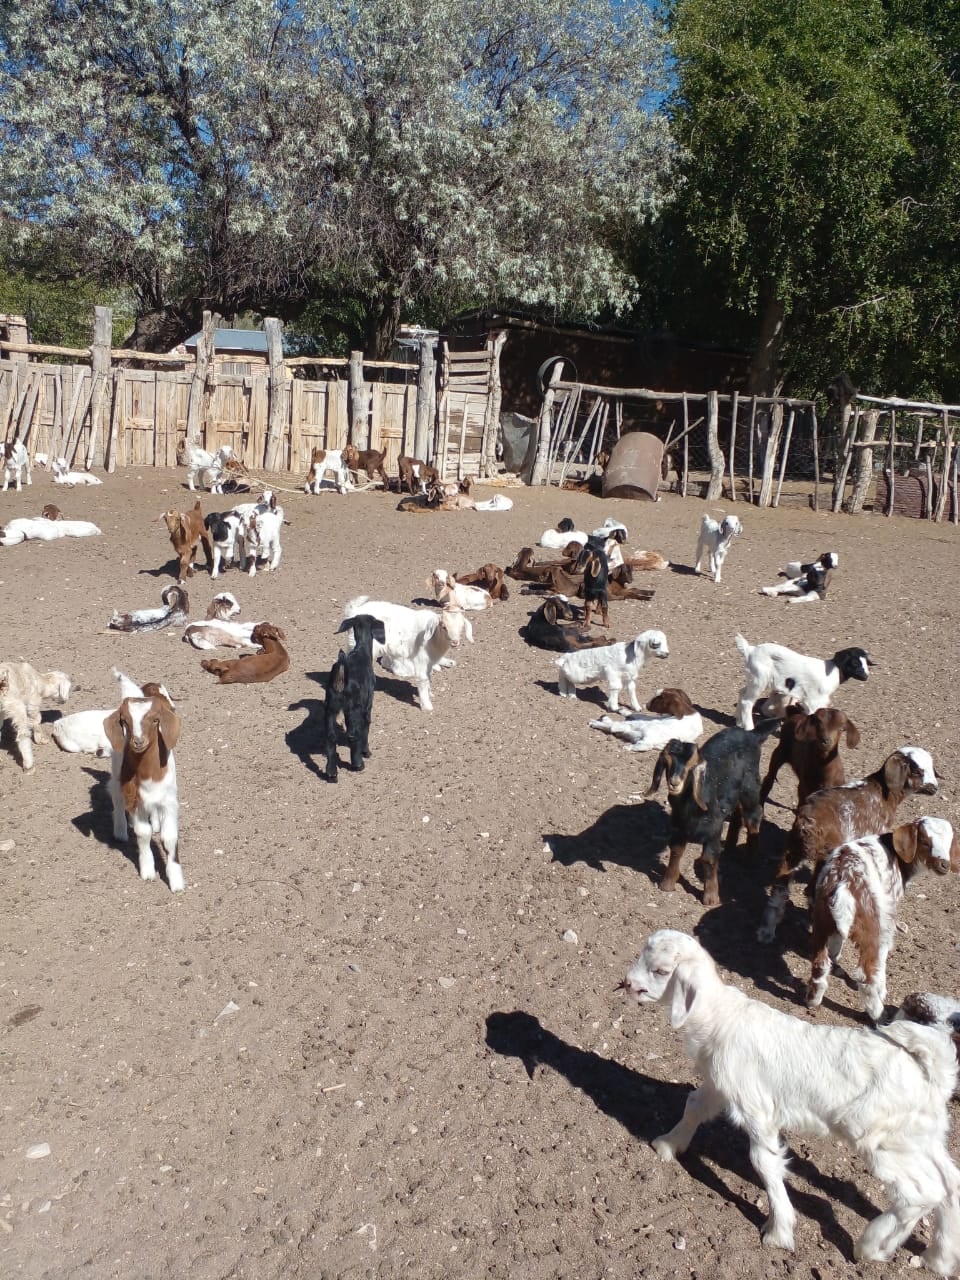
(97, 824)
(305, 740)
(628, 835)
(169, 570)
(592, 693)
(685, 570)
(647, 1107)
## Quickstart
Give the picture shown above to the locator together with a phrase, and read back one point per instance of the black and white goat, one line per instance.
(224, 529)
(810, 581)
(14, 460)
(350, 692)
(174, 613)
(810, 682)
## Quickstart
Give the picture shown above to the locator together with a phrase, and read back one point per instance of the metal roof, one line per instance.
(250, 341)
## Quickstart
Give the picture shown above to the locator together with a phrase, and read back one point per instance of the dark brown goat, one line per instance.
(369, 460)
(253, 668)
(545, 628)
(810, 744)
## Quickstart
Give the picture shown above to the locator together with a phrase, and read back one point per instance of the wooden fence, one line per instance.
(107, 413)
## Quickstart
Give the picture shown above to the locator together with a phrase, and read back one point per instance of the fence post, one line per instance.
(359, 411)
(198, 387)
(491, 417)
(715, 487)
(426, 401)
(864, 468)
(541, 466)
(100, 372)
(279, 382)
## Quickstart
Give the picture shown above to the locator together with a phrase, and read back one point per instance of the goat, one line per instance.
(672, 716)
(797, 568)
(63, 475)
(708, 786)
(618, 585)
(647, 561)
(884, 1093)
(413, 469)
(526, 568)
(259, 539)
(488, 576)
(83, 730)
(811, 682)
(560, 538)
(544, 629)
(253, 668)
(833, 816)
(22, 691)
(209, 466)
(858, 892)
(449, 590)
(174, 613)
(50, 512)
(186, 529)
(368, 460)
(417, 642)
(942, 1012)
(806, 588)
(14, 459)
(142, 733)
(615, 665)
(714, 543)
(350, 692)
(224, 530)
(595, 567)
(810, 744)
(218, 630)
(323, 461)
(43, 529)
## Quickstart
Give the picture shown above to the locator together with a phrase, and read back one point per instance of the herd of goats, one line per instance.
(882, 1088)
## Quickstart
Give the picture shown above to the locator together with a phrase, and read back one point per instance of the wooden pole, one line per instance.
(753, 432)
(100, 366)
(579, 444)
(686, 446)
(734, 408)
(864, 471)
(783, 457)
(955, 504)
(116, 420)
(358, 401)
(278, 414)
(770, 454)
(715, 485)
(195, 425)
(893, 435)
(944, 469)
(545, 424)
(816, 460)
(491, 417)
(848, 437)
(426, 401)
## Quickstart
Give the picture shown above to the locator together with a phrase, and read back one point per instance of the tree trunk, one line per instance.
(763, 377)
(160, 330)
(383, 325)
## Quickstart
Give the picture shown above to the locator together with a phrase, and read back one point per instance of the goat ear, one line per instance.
(593, 564)
(895, 772)
(631, 652)
(550, 612)
(905, 841)
(113, 728)
(345, 625)
(804, 728)
(699, 774)
(379, 632)
(170, 724)
(853, 735)
(659, 770)
(683, 995)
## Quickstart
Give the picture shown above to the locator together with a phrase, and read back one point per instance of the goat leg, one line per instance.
(672, 873)
(711, 880)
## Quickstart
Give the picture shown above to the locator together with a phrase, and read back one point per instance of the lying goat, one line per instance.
(219, 631)
(489, 577)
(714, 543)
(810, 682)
(449, 590)
(43, 529)
(174, 613)
(83, 731)
(559, 539)
(857, 896)
(807, 588)
(615, 665)
(884, 1093)
(63, 475)
(350, 692)
(253, 668)
(672, 717)
(708, 786)
(797, 568)
(545, 629)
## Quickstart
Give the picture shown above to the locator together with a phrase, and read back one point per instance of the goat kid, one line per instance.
(545, 629)
(806, 588)
(418, 476)
(449, 590)
(23, 690)
(218, 630)
(489, 577)
(325, 462)
(350, 692)
(560, 538)
(82, 731)
(884, 1093)
(142, 733)
(259, 539)
(63, 475)
(810, 744)
(714, 543)
(14, 459)
(615, 665)
(810, 682)
(671, 716)
(174, 613)
(253, 668)
(418, 640)
(369, 460)
(186, 530)
(43, 529)
(201, 462)
(224, 530)
(857, 896)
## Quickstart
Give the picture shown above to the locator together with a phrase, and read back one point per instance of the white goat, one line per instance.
(810, 682)
(565, 533)
(218, 630)
(672, 716)
(885, 1093)
(615, 665)
(142, 733)
(83, 730)
(22, 691)
(15, 460)
(199, 460)
(259, 539)
(25, 528)
(63, 475)
(449, 591)
(714, 542)
(417, 640)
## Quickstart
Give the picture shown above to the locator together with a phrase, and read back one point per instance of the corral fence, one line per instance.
(744, 447)
(113, 407)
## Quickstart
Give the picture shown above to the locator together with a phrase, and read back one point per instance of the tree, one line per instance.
(814, 184)
(266, 154)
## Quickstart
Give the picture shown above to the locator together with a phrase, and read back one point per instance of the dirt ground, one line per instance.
(359, 1044)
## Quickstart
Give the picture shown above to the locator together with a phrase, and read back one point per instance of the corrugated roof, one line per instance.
(251, 341)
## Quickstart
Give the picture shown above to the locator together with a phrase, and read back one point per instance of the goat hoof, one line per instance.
(667, 886)
(711, 898)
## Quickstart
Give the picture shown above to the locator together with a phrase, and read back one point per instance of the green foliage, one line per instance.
(369, 157)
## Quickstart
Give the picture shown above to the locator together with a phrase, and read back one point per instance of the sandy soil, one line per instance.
(358, 1045)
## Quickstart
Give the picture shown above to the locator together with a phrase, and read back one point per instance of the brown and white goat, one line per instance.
(186, 529)
(253, 668)
(810, 744)
(415, 474)
(489, 577)
(323, 461)
(142, 733)
(449, 590)
(833, 816)
(50, 512)
(857, 896)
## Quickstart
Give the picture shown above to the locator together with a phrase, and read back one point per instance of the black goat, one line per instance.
(545, 629)
(596, 577)
(350, 693)
(707, 786)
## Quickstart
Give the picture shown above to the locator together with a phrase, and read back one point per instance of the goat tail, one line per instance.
(743, 645)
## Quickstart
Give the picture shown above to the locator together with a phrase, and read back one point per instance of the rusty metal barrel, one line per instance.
(634, 467)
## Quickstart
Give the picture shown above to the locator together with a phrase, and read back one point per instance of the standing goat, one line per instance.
(714, 543)
(810, 682)
(350, 692)
(615, 665)
(186, 530)
(884, 1093)
(22, 691)
(857, 896)
(810, 744)
(706, 787)
(142, 733)
(14, 460)
(417, 640)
